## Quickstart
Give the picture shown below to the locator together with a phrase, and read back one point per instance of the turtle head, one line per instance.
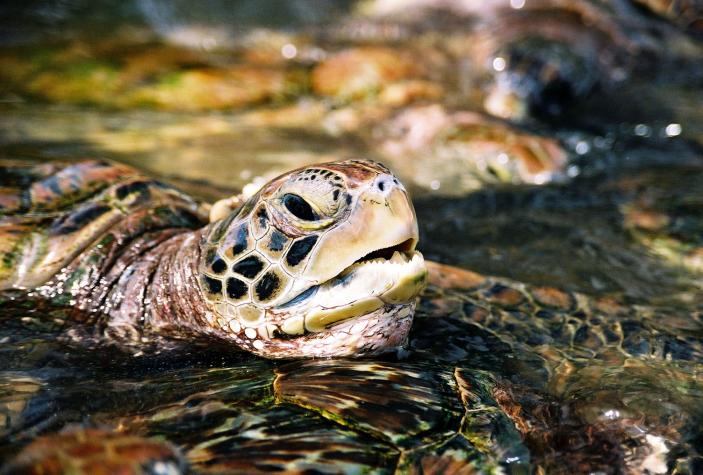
(320, 262)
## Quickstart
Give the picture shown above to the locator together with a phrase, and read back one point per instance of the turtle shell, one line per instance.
(96, 451)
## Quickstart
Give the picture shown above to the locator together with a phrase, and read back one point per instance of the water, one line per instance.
(603, 200)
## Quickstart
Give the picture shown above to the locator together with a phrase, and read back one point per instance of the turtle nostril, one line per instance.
(385, 183)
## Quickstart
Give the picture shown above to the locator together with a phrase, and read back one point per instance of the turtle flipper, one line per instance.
(49, 214)
(220, 209)
(36, 222)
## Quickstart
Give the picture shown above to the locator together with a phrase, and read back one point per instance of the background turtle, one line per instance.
(486, 382)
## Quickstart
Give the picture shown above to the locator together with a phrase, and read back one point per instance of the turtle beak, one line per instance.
(382, 221)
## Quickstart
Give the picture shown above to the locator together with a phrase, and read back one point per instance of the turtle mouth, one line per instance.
(405, 248)
(385, 277)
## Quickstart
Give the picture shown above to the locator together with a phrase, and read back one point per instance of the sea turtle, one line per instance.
(537, 59)
(687, 14)
(320, 262)
(496, 375)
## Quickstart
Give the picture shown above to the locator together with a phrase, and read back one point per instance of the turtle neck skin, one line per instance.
(160, 293)
(174, 301)
(139, 279)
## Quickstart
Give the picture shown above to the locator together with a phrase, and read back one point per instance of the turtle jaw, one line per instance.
(366, 286)
(380, 331)
(366, 309)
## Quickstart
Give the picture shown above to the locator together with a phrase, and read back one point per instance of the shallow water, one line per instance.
(609, 382)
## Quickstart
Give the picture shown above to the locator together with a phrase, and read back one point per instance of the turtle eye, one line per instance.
(298, 207)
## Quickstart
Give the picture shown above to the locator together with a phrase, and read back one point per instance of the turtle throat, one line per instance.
(176, 303)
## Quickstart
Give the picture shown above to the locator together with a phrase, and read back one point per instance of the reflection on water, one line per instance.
(583, 355)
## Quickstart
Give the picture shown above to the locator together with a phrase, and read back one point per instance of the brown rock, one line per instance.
(356, 72)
